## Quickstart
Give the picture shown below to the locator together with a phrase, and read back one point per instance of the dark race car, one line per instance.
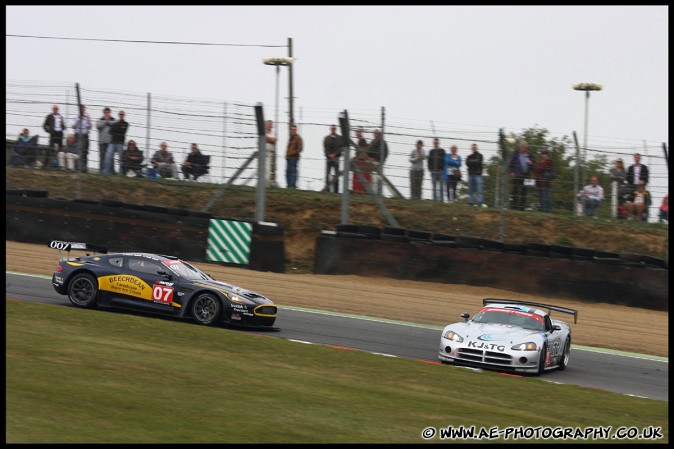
(156, 283)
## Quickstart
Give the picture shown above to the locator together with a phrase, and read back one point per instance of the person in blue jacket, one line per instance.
(520, 167)
(453, 174)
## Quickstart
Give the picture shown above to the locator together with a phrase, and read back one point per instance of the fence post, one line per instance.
(261, 163)
(344, 124)
(148, 128)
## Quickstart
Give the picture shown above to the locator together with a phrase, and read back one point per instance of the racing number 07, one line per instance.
(161, 293)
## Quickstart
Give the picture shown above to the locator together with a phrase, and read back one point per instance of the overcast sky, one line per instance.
(488, 66)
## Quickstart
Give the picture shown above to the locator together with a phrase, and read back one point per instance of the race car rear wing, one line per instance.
(535, 304)
(68, 246)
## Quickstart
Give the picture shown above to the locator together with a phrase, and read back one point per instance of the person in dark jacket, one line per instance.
(332, 147)
(474, 162)
(25, 150)
(637, 172)
(55, 126)
(543, 171)
(132, 160)
(436, 165)
(117, 135)
(195, 164)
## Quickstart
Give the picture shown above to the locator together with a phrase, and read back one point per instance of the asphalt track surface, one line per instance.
(592, 368)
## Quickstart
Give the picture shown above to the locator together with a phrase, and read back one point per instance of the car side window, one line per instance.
(144, 266)
(116, 261)
(548, 324)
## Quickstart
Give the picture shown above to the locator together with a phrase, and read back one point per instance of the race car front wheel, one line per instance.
(566, 354)
(83, 290)
(206, 309)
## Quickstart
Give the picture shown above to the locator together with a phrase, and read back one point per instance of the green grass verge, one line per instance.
(80, 376)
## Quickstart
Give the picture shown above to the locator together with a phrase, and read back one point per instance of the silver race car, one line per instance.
(509, 335)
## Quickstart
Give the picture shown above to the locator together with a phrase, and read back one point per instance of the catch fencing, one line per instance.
(227, 132)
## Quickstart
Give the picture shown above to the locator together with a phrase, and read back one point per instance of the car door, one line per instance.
(554, 340)
(141, 286)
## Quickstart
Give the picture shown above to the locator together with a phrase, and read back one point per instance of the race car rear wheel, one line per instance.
(206, 309)
(83, 290)
(541, 360)
(566, 354)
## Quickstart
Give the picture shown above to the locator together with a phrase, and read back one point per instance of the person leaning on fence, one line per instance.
(417, 158)
(55, 125)
(132, 160)
(591, 195)
(163, 162)
(638, 202)
(69, 154)
(436, 166)
(25, 150)
(195, 164)
(519, 167)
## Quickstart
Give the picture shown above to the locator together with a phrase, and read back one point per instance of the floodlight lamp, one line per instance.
(278, 61)
(588, 86)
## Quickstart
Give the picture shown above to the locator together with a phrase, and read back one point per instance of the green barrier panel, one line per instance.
(229, 241)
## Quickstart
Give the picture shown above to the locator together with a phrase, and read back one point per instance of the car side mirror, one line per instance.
(164, 273)
(556, 327)
(465, 316)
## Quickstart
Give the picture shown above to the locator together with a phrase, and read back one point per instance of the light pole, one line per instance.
(278, 62)
(587, 87)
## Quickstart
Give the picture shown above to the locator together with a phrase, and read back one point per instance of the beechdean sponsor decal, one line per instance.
(486, 346)
(125, 285)
(61, 246)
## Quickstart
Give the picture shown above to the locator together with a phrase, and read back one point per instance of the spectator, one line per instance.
(332, 147)
(69, 154)
(636, 172)
(163, 162)
(519, 167)
(543, 174)
(618, 174)
(55, 125)
(293, 156)
(591, 195)
(378, 148)
(361, 145)
(417, 158)
(132, 160)
(118, 131)
(81, 124)
(195, 164)
(475, 167)
(453, 174)
(104, 137)
(638, 202)
(25, 150)
(664, 209)
(270, 146)
(436, 165)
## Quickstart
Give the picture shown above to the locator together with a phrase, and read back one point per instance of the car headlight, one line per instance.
(528, 346)
(451, 335)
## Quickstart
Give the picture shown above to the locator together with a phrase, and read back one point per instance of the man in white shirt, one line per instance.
(81, 124)
(591, 195)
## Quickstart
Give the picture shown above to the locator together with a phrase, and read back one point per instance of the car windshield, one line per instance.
(511, 317)
(185, 270)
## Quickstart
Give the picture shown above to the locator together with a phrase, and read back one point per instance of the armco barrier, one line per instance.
(120, 228)
(635, 285)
